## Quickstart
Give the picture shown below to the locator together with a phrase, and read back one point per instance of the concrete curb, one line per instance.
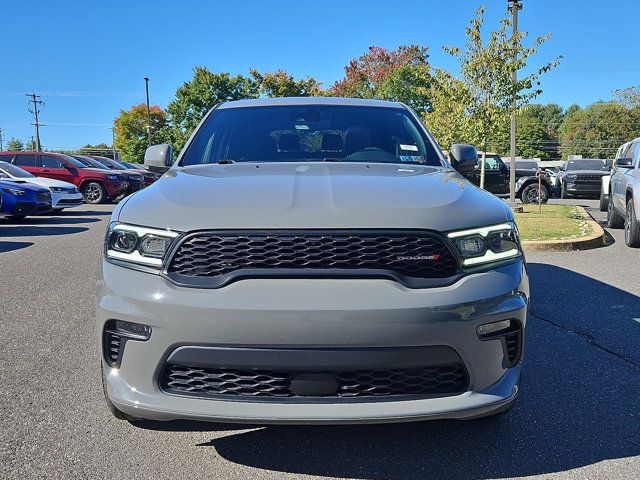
(596, 239)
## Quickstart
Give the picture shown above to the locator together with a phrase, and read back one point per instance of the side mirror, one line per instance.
(159, 158)
(624, 162)
(463, 157)
(72, 170)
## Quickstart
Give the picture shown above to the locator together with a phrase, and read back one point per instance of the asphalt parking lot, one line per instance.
(578, 415)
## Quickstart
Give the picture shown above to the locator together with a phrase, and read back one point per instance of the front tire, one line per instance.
(530, 194)
(563, 191)
(631, 226)
(604, 202)
(94, 193)
(613, 219)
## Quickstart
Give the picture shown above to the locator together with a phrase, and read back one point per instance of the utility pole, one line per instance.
(146, 81)
(1, 139)
(113, 142)
(36, 103)
(514, 7)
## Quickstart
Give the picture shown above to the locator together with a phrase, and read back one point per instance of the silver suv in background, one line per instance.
(624, 198)
(311, 260)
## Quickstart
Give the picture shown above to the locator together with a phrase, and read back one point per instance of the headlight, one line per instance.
(139, 245)
(487, 244)
(114, 177)
(14, 191)
(58, 189)
(571, 177)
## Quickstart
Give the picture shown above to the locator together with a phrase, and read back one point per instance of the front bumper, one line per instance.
(66, 200)
(308, 314)
(114, 189)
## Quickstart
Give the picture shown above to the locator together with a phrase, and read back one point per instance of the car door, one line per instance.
(619, 179)
(54, 167)
(495, 175)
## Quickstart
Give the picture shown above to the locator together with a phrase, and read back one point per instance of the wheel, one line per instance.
(631, 226)
(613, 219)
(530, 194)
(604, 202)
(94, 192)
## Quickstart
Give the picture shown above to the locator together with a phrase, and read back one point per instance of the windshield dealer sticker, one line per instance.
(409, 148)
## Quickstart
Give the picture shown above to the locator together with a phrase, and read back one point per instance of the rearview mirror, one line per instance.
(159, 158)
(624, 162)
(463, 157)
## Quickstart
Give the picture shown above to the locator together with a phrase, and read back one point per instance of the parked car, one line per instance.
(606, 181)
(22, 199)
(149, 177)
(624, 200)
(582, 177)
(135, 180)
(311, 260)
(96, 185)
(496, 180)
(63, 194)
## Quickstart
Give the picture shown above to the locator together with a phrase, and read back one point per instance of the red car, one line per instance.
(96, 185)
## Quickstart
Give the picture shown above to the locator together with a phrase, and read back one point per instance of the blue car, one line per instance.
(22, 199)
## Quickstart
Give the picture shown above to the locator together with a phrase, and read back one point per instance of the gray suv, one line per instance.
(623, 209)
(311, 260)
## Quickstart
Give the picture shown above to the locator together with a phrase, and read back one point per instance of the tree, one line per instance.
(282, 84)
(550, 115)
(15, 145)
(629, 97)
(486, 85)
(598, 130)
(30, 146)
(197, 96)
(533, 139)
(131, 131)
(400, 75)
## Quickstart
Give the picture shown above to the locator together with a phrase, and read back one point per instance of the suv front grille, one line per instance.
(213, 255)
(214, 382)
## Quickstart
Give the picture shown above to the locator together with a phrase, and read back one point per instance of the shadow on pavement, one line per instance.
(11, 246)
(33, 231)
(45, 220)
(83, 213)
(578, 406)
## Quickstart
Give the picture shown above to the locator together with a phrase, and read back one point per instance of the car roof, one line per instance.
(286, 101)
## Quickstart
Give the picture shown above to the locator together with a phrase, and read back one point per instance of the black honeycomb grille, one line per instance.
(415, 255)
(213, 382)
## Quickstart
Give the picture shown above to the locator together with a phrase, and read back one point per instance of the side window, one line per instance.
(491, 163)
(48, 161)
(24, 160)
(635, 154)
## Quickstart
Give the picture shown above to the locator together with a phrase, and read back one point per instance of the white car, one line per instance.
(63, 194)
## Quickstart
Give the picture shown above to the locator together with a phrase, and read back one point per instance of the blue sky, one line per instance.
(88, 58)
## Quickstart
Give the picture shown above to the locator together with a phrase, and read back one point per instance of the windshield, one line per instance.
(113, 163)
(90, 162)
(14, 171)
(294, 133)
(586, 165)
(527, 165)
(74, 162)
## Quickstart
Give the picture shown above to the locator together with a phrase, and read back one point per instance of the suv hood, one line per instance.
(588, 172)
(7, 183)
(312, 195)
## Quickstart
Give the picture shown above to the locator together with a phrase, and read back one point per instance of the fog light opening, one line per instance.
(115, 336)
(490, 329)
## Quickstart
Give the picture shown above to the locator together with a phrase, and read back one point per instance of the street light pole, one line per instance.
(514, 7)
(146, 81)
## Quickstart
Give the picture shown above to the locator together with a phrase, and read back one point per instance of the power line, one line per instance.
(34, 98)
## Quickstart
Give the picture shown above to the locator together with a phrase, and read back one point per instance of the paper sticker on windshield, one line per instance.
(409, 148)
(302, 127)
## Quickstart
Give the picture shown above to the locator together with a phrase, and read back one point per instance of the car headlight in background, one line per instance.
(487, 244)
(571, 177)
(14, 191)
(114, 177)
(138, 245)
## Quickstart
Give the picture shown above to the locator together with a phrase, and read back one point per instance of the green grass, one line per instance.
(556, 222)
